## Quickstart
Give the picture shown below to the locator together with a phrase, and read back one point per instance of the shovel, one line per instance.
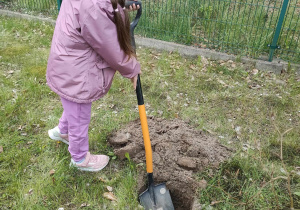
(155, 197)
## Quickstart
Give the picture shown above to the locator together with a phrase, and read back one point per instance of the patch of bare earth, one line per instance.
(179, 152)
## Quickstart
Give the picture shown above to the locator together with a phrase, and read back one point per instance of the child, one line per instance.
(91, 41)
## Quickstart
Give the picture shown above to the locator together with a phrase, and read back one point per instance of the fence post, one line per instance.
(274, 46)
(58, 4)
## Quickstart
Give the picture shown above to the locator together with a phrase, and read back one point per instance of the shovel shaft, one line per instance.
(139, 94)
(146, 137)
(144, 124)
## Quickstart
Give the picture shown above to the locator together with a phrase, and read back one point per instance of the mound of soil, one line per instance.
(179, 151)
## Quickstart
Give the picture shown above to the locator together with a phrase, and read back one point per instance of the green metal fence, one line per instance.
(264, 29)
(46, 7)
(242, 27)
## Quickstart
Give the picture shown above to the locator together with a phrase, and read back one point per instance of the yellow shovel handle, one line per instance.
(147, 143)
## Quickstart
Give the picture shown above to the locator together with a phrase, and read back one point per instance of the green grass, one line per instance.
(251, 113)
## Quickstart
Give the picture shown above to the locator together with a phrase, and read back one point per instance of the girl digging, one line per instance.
(91, 41)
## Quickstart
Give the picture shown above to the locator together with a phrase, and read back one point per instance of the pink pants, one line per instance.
(75, 121)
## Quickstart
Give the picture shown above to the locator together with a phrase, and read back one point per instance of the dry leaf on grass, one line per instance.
(29, 192)
(84, 205)
(254, 71)
(102, 179)
(222, 82)
(51, 172)
(215, 202)
(110, 196)
(1, 149)
(109, 188)
(254, 86)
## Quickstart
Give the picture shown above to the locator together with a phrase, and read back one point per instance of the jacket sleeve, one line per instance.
(101, 34)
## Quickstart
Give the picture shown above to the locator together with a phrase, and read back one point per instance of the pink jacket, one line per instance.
(85, 52)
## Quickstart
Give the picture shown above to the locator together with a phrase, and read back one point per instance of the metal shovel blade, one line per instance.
(159, 199)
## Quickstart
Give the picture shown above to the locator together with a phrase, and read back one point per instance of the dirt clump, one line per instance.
(179, 152)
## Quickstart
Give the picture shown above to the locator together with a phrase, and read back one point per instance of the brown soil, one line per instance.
(179, 151)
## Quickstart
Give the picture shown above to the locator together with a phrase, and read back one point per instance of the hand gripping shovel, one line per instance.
(156, 197)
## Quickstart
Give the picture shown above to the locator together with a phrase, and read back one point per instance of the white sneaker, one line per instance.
(57, 136)
(91, 163)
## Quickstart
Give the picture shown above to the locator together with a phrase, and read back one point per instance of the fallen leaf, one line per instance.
(51, 172)
(215, 202)
(1, 149)
(246, 147)
(282, 170)
(160, 112)
(140, 207)
(222, 82)
(255, 86)
(238, 130)
(110, 196)
(169, 98)
(122, 90)
(192, 67)
(99, 107)
(109, 188)
(102, 180)
(254, 71)
(84, 205)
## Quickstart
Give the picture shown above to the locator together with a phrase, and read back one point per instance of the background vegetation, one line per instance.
(244, 27)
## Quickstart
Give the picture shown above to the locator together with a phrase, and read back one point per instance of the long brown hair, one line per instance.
(123, 27)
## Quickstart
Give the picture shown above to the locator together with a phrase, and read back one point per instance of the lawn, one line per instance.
(255, 113)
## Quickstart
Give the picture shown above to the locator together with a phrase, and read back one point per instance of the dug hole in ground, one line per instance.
(179, 153)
